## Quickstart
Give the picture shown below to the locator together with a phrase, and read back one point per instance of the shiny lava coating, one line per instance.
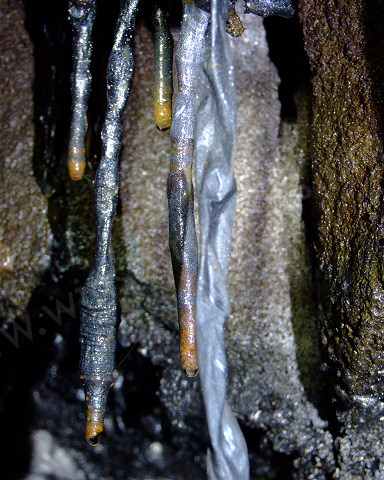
(82, 15)
(216, 192)
(99, 300)
(162, 69)
(265, 8)
(201, 32)
(190, 53)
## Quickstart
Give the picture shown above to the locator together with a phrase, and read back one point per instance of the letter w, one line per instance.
(16, 329)
(60, 307)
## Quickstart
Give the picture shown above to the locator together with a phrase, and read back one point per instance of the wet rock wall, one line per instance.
(347, 172)
(347, 176)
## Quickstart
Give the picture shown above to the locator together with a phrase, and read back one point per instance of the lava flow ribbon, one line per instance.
(215, 131)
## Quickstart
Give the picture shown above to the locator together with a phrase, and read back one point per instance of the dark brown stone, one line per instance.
(347, 169)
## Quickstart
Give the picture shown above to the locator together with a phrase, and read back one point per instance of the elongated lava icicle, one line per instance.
(82, 15)
(162, 69)
(99, 301)
(190, 54)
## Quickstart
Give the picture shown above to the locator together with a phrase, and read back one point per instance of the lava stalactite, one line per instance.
(162, 69)
(99, 300)
(82, 15)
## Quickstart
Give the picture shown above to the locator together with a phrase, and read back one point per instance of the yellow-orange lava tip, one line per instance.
(76, 163)
(163, 115)
(93, 428)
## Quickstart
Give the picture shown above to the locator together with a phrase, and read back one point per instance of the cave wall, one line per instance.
(341, 40)
(24, 228)
(307, 411)
(347, 173)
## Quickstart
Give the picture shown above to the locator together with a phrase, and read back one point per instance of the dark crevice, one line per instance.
(286, 50)
(265, 462)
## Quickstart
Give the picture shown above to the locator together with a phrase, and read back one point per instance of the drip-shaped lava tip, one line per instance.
(76, 163)
(191, 373)
(163, 115)
(96, 392)
(93, 441)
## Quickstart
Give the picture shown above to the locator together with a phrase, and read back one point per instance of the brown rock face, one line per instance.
(347, 177)
(24, 227)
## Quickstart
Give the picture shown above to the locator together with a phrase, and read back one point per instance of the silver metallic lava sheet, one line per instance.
(215, 132)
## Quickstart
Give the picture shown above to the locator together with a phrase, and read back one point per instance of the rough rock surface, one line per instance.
(269, 266)
(24, 229)
(341, 40)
